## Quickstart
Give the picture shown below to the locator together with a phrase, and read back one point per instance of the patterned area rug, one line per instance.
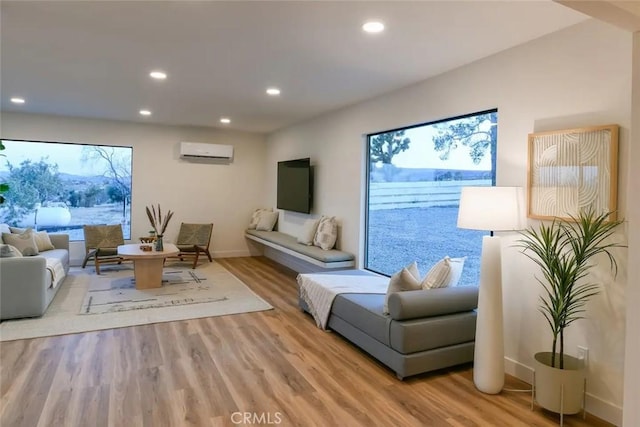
(88, 302)
(179, 287)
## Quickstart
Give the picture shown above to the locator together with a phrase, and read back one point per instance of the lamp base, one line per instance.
(488, 359)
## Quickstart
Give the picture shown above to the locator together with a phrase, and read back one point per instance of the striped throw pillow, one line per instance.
(439, 276)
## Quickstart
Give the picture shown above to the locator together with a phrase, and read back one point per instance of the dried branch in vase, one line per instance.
(158, 222)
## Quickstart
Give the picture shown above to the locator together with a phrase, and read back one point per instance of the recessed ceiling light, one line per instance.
(145, 112)
(17, 100)
(273, 91)
(373, 27)
(225, 120)
(158, 75)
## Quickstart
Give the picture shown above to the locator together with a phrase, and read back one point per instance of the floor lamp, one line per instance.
(490, 209)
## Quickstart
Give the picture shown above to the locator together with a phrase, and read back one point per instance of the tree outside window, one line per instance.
(414, 181)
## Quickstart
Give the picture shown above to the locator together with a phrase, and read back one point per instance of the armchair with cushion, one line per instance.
(193, 240)
(101, 243)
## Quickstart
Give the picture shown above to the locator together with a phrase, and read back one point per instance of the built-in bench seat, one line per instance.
(288, 244)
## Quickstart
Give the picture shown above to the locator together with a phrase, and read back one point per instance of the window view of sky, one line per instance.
(422, 155)
(66, 156)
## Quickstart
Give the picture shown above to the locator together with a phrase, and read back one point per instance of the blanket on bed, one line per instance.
(319, 290)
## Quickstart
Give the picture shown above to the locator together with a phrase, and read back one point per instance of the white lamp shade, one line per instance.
(492, 208)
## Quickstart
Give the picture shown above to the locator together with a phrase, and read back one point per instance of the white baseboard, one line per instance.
(231, 254)
(608, 411)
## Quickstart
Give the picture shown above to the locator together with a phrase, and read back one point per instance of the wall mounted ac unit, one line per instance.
(205, 151)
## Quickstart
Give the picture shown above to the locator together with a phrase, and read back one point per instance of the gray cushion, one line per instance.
(432, 302)
(61, 254)
(410, 336)
(291, 242)
(363, 311)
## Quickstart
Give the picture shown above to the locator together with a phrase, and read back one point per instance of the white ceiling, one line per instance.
(92, 59)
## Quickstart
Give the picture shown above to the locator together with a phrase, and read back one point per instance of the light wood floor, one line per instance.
(275, 366)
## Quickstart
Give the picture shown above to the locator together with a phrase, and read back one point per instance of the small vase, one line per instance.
(159, 246)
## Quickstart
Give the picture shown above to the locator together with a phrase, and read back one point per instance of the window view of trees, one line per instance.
(59, 187)
(414, 182)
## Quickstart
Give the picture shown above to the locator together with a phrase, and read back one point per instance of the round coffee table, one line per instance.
(147, 265)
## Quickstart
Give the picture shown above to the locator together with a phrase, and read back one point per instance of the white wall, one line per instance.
(197, 192)
(578, 77)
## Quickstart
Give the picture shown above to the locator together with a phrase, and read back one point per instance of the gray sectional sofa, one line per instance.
(25, 282)
(425, 330)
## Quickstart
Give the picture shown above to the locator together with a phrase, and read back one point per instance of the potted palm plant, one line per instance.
(564, 251)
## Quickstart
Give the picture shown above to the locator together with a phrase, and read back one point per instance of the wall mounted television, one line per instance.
(295, 185)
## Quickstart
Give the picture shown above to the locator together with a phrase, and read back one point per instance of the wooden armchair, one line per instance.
(193, 240)
(101, 243)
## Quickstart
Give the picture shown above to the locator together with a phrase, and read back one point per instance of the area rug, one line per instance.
(89, 302)
(179, 287)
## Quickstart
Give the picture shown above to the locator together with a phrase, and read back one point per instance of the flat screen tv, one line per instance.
(295, 185)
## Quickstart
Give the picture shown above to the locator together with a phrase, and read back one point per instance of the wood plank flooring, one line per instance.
(267, 368)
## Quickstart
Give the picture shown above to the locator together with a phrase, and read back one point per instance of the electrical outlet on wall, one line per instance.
(583, 355)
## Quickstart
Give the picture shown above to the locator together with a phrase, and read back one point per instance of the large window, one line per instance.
(59, 187)
(414, 181)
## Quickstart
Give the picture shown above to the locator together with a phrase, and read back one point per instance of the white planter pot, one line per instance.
(559, 390)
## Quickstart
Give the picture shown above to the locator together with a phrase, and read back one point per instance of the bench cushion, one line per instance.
(291, 242)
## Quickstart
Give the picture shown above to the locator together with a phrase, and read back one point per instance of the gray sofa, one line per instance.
(424, 331)
(25, 282)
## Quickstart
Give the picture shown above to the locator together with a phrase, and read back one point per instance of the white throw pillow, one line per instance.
(255, 217)
(4, 228)
(327, 233)
(8, 251)
(24, 242)
(267, 221)
(407, 279)
(439, 276)
(308, 231)
(457, 264)
(43, 241)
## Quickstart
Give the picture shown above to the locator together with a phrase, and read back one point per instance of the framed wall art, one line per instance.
(573, 170)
